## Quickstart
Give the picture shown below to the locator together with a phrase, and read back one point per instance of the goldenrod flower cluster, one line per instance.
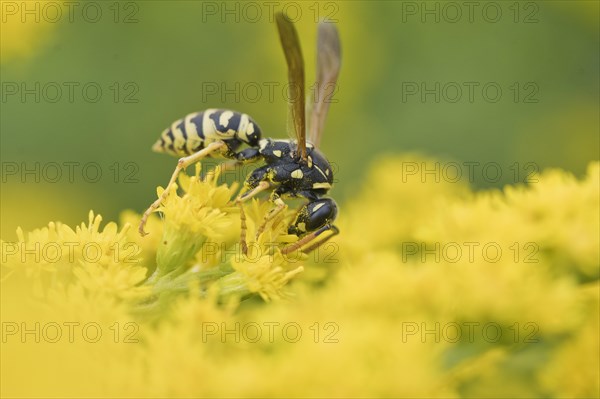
(430, 290)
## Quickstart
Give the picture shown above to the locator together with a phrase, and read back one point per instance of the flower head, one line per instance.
(57, 256)
(389, 322)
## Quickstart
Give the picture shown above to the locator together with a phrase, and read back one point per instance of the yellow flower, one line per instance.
(200, 245)
(401, 316)
(266, 275)
(203, 214)
(57, 256)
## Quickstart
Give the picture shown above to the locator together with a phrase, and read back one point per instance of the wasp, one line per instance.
(293, 167)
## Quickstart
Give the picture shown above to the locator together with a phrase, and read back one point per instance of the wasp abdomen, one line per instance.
(196, 130)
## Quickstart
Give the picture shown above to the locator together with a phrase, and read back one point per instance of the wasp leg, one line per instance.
(310, 237)
(317, 244)
(248, 155)
(181, 165)
(279, 206)
(243, 229)
(262, 186)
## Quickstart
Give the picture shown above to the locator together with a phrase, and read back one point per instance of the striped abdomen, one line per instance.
(193, 132)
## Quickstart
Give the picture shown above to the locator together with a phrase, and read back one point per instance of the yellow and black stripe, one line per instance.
(196, 130)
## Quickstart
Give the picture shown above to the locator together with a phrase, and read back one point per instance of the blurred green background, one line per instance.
(156, 61)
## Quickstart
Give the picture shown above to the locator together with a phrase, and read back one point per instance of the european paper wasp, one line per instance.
(293, 167)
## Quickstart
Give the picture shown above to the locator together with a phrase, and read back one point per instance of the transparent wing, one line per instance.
(328, 69)
(295, 63)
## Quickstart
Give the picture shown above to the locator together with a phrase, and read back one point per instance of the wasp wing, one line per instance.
(295, 63)
(328, 69)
